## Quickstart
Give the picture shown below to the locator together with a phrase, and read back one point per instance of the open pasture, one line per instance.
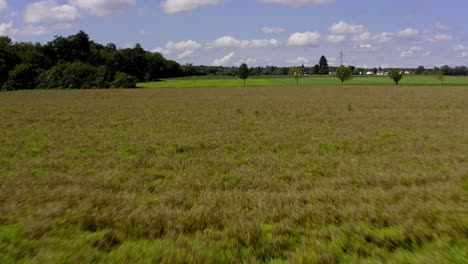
(323, 174)
(229, 81)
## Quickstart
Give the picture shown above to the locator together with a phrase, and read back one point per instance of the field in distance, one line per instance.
(230, 81)
(322, 174)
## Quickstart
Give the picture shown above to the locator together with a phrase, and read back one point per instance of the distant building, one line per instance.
(369, 73)
(382, 73)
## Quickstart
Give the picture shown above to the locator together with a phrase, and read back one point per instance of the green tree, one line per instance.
(323, 66)
(23, 76)
(123, 80)
(440, 76)
(316, 69)
(420, 70)
(243, 72)
(396, 75)
(344, 73)
(296, 74)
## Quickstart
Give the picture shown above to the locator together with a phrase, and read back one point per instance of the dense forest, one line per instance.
(78, 62)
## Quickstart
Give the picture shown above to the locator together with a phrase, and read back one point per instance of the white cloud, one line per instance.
(273, 30)
(224, 60)
(3, 5)
(383, 37)
(8, 29)
(304, 39)
(248, 61)
(460, 47)
(297, 2)
(185, 54)
(103, 7)
(50, 12)
(176, 6)
(183, 45)
(442, 27)
(345, 28)
(231, 42)
(298, 60)
(408, 33)
(443, 37)
(366, 46)
(336, 38)
(439, 37)
(361, 37)
(5, 28)
(415, 51)
(464, 54)
(32, 31)
(187, 48)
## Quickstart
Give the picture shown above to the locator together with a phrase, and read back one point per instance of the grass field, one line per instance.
(322, 174)
(227, 81)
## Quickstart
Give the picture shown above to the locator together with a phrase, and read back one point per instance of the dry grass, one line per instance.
(311, 174)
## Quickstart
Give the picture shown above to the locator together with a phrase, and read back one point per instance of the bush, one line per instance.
(53, 78)
(123, 80)
(80, 75)
(23, 76)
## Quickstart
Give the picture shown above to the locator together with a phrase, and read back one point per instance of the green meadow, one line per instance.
(228, 81)
(320, 174)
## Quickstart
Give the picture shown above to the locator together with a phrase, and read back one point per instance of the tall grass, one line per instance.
(234, 175)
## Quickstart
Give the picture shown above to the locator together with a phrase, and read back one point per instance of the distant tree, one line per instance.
(396, 75)
(23, 76)
(80, 75)
(123, 80)
(243, 72)
(420, 70)
(323, 64)
(375, 71)
(352, 68)
(440, 76)
(296, 73)
(316, 69)
(344, 73)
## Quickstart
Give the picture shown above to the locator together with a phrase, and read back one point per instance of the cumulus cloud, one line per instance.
(224, 60)
(366, 46)
(297, 2)
(442, 27)
(273, 30)
(460, 48)
(8, 29)
(383, 37)
(365, 36)
(336, 38)
(408, 33)
(304, 39)
(3, 5)
(342, 27)
(248, 61)
(103, 7)
(298, 60)
(5, 28)
(231, 42)
(50, 12)
(184, 48)
(176, 6)
(415, 51)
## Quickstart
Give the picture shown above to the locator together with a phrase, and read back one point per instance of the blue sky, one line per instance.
(371, 33)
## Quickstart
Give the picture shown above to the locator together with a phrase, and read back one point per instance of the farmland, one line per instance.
(319, 174)
(229, 81)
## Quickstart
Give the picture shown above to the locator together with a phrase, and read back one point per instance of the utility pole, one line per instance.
(341, 57)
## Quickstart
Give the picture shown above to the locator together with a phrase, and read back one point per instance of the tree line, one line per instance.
(78, 62)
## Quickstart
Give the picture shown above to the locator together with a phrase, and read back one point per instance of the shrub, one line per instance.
(123, 80)
(23, 76)
(53, 78)
(79, 75)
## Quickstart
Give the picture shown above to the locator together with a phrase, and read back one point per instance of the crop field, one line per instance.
(321, 174)
(229, 81)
